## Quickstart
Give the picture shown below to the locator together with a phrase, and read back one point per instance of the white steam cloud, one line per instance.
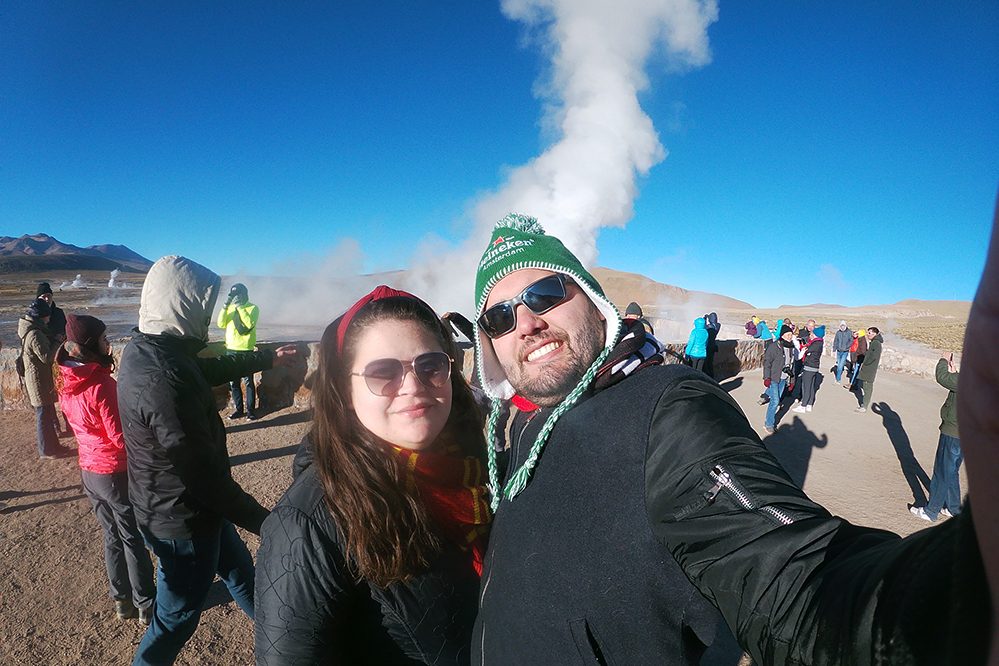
(587, 178)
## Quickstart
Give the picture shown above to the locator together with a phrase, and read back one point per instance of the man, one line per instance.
(57, 320)
(634, 313)
(945, 486)
(869, 369)
(624, 482)
(38, 350)
(180, 485)
(841, 345)
(778, 359)
(57, 331)
(238, 317)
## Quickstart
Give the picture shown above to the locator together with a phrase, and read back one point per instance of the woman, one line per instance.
(697, 345)
(373, 555)
(811, 357)
(89, 398)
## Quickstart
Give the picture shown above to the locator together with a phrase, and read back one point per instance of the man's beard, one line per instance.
(550, 386)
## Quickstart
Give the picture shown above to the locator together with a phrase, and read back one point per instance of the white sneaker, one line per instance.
(861, 410)
(919, 512)
(808, 408)
(799, 409)
(946, 513)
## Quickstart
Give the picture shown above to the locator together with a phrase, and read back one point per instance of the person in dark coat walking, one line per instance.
(373, 555)
(869, 369)
(713, 328)
(182, 491)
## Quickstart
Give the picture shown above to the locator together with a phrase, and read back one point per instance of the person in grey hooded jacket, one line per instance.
(180, 485)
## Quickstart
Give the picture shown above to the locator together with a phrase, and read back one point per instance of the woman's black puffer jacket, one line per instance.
(310, 609)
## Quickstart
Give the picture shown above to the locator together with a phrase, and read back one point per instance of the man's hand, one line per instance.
(979, 419)
(285, 356)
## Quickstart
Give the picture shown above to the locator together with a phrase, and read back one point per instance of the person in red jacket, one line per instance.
(89, 397)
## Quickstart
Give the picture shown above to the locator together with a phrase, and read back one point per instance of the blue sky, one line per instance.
(845, 153)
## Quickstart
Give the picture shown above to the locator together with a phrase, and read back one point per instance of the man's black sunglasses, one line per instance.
(539, 297)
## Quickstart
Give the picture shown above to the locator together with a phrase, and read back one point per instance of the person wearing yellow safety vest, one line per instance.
(239, 319)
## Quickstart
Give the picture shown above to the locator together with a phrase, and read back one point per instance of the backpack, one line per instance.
(19, 365)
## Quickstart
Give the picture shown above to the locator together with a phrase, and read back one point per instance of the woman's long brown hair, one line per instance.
(388, 534)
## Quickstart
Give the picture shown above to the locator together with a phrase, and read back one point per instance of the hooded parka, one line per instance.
(178, 465)
(39, 351)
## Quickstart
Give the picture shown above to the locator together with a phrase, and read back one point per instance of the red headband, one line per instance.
(376, 294)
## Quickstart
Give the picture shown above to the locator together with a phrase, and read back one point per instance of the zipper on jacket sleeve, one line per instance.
(725, 481)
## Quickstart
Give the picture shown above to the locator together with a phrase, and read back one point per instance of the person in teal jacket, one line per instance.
(697, 345)
(239, 319)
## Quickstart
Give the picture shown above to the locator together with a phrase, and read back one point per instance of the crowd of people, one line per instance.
(793, 362)
(608, 505)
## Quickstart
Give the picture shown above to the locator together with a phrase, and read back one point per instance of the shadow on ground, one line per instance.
(918, 480)
(793, 444)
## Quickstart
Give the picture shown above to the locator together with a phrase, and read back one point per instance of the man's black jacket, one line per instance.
(666, 457)
(179, 479)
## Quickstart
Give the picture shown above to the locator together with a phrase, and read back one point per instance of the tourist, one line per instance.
(634, 312)
(713, 328)
(89, 397)
(945, 486)
(57, 331)
(38, 350)
(373, 555)
(778, 359)
(841, 345)
(858, 357)
(697, 345)
(238, 317)
(869, 369)
(184, 497)
(811, 360)
(629, 482)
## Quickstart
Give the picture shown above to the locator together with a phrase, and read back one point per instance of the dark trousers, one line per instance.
(864, 392)
(945, 486)
(809, 384)
(237, 393)
(696, 363)
(130, 571)
(186, 570)
(48, 439)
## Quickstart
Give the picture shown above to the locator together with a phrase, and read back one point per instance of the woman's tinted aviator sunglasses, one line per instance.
(539, 297)
(384, 376)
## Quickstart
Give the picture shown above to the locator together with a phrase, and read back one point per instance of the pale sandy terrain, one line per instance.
(54, 607)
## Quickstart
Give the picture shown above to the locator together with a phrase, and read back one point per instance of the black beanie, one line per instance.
(633, 309)
(785, 329)
(39, 309)
(43, 288)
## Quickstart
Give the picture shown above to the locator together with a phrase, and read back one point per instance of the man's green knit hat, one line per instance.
(518, 242)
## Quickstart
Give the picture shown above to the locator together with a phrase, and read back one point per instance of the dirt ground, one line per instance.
(54, 605)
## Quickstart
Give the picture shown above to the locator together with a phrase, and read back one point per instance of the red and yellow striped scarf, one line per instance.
(453, 487)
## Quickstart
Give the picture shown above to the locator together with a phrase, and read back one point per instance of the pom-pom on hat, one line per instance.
(519, 242)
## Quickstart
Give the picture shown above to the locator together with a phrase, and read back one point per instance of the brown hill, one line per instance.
(41, 252)
(622, 288)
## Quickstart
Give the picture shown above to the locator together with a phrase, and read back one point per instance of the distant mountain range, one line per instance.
(41, 252)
